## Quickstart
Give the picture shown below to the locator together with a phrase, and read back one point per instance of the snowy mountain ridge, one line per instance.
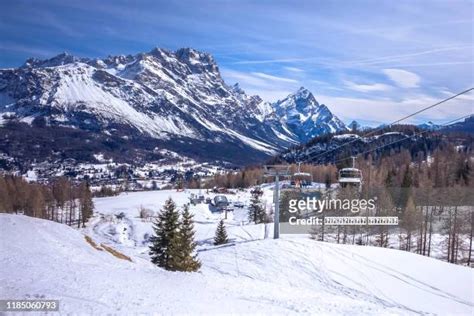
(173, 97)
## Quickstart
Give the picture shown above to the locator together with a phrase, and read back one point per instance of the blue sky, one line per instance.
(373, 61)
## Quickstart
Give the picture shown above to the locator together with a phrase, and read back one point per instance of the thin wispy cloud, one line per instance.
(353, 63)
(392, 58)
(271, 61)
(293, 69)
(367, 87)
(273, 78)
(447, 63)
(403, 78)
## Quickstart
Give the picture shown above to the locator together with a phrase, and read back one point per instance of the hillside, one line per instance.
(290, 275)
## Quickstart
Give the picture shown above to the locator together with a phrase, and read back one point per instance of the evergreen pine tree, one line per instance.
(164, 242)
(183, 257)
(221, 234)
(256, 211)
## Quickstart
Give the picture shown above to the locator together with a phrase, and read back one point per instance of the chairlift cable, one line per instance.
(395, 122)
(407, 137)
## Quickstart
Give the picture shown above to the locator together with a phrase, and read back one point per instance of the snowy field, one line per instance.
(250, 275)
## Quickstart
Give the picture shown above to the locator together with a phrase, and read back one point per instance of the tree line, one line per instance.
(433, 196)
(172, 245)
(61, 200)
(252, 176)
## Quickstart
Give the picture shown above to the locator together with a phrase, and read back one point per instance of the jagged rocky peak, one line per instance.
(160, 52)
(237, 89)
(302, 101)
(197, 60)
(192, 55)
(165, 56)
(240, 93)
(114, 61)
(305, 117)
(303, 93)
(58, 60)
(305, 99)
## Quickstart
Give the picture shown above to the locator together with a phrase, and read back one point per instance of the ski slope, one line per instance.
(43, 259)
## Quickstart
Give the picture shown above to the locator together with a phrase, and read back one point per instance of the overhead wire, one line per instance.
(403, 139)
(392, 123)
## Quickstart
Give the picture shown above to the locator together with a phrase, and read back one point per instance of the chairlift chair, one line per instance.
(350, 177)
(299, 177)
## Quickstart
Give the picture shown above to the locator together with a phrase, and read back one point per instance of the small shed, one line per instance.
(221, 202)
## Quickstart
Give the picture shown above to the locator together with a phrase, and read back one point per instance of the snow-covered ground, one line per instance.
(250, 275)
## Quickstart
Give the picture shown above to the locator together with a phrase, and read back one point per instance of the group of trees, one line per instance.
(61, 200)
(435, 199)
(172, 245)
(252, 176)
(433, 196)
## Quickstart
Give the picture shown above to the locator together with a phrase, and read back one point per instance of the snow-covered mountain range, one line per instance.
(177, 99)
(429, 126)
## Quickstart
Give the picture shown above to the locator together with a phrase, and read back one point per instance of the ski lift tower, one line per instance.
(276, 171)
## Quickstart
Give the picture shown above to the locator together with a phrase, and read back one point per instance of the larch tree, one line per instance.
(86, 203)
(410, 220)
(385, 208)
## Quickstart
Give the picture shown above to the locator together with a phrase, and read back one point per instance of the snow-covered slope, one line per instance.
(43, 259)
(170, 96)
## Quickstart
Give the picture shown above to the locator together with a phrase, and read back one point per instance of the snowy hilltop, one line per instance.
(169, 100)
